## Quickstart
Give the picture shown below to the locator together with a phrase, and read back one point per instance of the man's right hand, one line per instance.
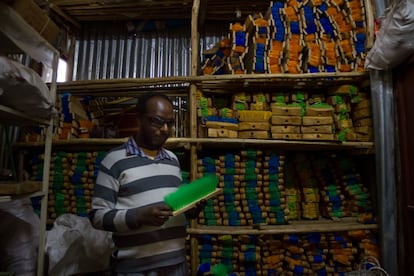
(154, 215)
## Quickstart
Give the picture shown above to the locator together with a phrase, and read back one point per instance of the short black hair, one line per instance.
(141, 107)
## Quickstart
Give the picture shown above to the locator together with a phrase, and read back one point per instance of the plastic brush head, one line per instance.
(188, 193)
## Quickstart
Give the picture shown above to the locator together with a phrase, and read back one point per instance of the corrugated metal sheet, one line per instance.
(108, 51)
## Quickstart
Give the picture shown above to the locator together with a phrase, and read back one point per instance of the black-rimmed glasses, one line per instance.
(160, 122)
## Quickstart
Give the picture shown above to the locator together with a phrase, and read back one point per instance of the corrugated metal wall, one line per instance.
(108, 51)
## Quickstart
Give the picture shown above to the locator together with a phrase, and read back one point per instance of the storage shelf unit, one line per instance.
(19, 37)
(224, 84)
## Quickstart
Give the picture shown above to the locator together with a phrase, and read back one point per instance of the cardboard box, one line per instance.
(38, 19)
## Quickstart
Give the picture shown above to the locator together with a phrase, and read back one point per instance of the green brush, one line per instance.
(187, 195)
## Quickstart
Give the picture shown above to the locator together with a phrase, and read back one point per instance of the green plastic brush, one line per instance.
(187, 195)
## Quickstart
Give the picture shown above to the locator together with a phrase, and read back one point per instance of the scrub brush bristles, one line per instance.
(187, 195)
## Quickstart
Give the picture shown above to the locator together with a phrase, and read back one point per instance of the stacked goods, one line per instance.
(297, 37)
(249, 253)
(269, 188)
(210, 215)
(70, 182)
(290, 254)
(316, 246)
(277, 43)
(95, 110)
(287, 117)
(367, 244)
(273, 254)
(72, 117)
(251, 187)
(358, 199)
(330, 189)
(254, 123)
(230, 205)
(215, 58)
(340, 98)
(342, 253)
(259, 35)
(274, 189)
(59, 180)
(238, 36)
(227, 253)
(317, 123)
(294, 38)
(207, 248)
(314, 51)
(362, 118)
(309, 186)
(295, 261)
(215, 117)
(292, 192)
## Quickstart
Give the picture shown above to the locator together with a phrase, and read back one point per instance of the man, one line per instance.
(129, 191)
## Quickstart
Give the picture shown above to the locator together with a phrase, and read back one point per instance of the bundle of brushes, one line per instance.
(187, 195)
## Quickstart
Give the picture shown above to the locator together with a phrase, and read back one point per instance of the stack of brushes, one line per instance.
(249, 253)
(253, 191)
(277, 42)
(293, 197)
(340, 99)
(254, 122)
(294, 38)
(287, 116)
(367, 243)
(342, 252)
(274, 189)
(290, 254)
(362, 117)
(239, 39)
(295, 261)
(313, 57)
(251, 187)
(330, 189)
(317, 123)
(358, 199)
(315, 246)
(210, 215)
(273, 255)
(258, 28)
(309, 186)
(70, 182)
(229, 177)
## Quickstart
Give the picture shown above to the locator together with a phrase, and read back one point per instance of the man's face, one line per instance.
(156, 123)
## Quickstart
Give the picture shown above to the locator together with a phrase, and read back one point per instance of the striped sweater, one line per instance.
(126, 182)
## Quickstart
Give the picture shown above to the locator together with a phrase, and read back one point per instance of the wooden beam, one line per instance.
(66, 17)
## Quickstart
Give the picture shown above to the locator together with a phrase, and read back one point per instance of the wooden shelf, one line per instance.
(11, 116)
(19, 188)
(295, 227)
(210, 84)
(228, 143)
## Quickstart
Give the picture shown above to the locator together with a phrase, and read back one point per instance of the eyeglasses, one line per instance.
(159, 122)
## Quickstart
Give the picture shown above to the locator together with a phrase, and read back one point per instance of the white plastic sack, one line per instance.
(74, 246)
(19, 237)
(395, 39)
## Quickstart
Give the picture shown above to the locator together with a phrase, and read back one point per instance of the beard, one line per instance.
(154, 142)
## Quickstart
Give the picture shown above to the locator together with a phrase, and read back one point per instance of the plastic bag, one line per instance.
(19, 237)
(74, 246)
(394, 41)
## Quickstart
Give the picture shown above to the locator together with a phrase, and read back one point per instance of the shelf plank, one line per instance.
(210, 84)
(296, 227)
(11, 116)
(362, 147)
(20, 188)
